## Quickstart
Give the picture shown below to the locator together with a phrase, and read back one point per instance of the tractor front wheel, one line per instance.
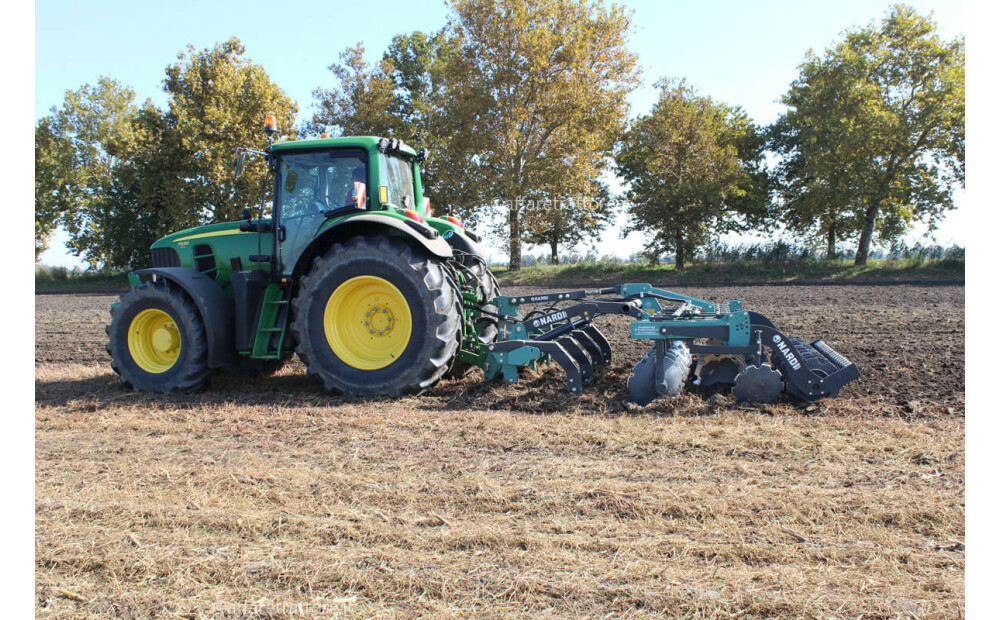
(156, 340)
(372, 317)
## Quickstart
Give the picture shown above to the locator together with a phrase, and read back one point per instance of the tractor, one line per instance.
(350, 270)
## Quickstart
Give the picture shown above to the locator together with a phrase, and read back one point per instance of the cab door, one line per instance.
(312, 187)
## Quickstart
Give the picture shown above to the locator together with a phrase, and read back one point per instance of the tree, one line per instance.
(77, 149)
(118, 177)
(533, 85)
(874, 138)
(514, 100)
(144, 200)
(567, 220)
(404, 96)
(693, 168)
(362, 102)
(218, 101)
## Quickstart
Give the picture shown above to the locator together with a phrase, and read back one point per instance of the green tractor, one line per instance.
(368, 288)
(379, 297)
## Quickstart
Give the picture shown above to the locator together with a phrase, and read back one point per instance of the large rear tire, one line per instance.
(373, 317)
(156, 340)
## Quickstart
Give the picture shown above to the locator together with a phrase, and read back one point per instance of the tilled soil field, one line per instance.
(267, 498)
(909, 342)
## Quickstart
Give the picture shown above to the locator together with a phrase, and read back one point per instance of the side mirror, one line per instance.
(241, 161)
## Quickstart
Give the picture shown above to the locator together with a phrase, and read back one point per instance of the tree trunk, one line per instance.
(831, 242)
(864, 244)
(554, 245)
(513, 218)
(679, 251)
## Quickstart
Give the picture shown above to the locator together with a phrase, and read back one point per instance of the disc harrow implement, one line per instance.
(693, 343)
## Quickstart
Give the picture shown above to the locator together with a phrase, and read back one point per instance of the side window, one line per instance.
(313, 183)
(342, 175)
(397, 176)
(298, 189)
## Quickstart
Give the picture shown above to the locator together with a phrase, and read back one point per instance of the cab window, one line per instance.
(313, 183)
(397, 176)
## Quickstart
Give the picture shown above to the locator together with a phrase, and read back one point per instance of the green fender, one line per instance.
(371, 222)
(215, 306)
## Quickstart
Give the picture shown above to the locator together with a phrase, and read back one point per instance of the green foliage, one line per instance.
(78, 147)
(589, 273)
(44, 273)
(518, 101)
(694, 168)
(874, 138)
(118, 177)
(567, 222)
(362, 101)
(540, 89)
(218, 101)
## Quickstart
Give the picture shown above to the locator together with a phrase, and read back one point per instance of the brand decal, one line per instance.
(787, 352)
(542, 298)
(551, 318)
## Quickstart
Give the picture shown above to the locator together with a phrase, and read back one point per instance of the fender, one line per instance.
(215, 307)
(368, 222)
(465, 244)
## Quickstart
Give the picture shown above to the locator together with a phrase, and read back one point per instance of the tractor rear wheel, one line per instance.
(156, 340)
(373, 317)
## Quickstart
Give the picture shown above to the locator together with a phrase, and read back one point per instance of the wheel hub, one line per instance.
(379, 320)
(166, 338)
(367, 322)
(154, 342)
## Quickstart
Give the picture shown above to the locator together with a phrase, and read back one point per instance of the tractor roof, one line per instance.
(364, 142)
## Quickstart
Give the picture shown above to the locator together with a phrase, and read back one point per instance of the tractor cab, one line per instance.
(321, 183)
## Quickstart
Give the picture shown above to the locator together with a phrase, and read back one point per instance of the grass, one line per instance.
(877, 270)
(245, 502)
(59, 280)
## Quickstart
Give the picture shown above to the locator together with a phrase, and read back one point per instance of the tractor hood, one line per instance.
(192, 235)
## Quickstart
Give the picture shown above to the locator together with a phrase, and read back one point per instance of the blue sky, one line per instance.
(743, 53)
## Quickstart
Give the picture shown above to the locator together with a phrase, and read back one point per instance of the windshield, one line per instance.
(397, 176)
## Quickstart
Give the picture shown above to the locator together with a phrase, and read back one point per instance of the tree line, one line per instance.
(526, 103)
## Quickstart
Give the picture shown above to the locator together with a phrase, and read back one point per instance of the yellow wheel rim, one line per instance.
(367, 322)
(154, 341)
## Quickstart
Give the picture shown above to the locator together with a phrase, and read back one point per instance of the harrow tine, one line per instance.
(574, 350)
(601, 342)
(574, 379)
(589, 346)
